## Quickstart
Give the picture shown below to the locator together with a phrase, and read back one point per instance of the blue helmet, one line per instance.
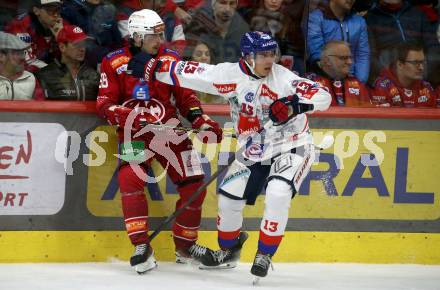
(256, 41)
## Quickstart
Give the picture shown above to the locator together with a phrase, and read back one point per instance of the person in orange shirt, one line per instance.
(401, 84)
(333, 73)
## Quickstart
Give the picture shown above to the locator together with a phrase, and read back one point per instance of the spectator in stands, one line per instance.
(220, 26)
(201, 53)
(8, 9)
(438, 33)
(402, 84)
(392, 22)
(336, 21)
(69, 78)
(98, 20)
(334, 75)
(39, 28)
(15, 82)
(283, 22)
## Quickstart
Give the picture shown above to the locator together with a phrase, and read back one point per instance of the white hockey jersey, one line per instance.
(250, 97)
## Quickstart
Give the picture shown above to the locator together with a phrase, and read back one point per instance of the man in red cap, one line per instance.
(69, 78)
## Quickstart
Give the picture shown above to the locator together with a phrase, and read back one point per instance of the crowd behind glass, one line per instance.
(365, 53)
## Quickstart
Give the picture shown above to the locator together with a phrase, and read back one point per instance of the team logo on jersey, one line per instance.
(152, 110)
(354, 91)
(396, 99)
(337, 84)
(77, 30)
(254, 150)
(25, 37)
(422, 99)
(200, 69)
(225, 88)
(303, 87)
(266, 92)
(249, 97)
(384, 83)
(121, 69)
(407, 92)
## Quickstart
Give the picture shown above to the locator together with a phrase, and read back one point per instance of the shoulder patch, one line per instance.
(167, 57)
(384, 83)
(113, 53)
(170, 51)
(427, 85)
(22, 16)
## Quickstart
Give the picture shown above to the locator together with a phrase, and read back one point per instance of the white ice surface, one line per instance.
(118, 275)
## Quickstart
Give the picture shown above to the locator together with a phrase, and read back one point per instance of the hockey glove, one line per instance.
(208, 128)
(119, 115)
(137, 63)
(284, 109)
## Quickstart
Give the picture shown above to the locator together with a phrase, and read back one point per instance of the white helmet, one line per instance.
(144, 22)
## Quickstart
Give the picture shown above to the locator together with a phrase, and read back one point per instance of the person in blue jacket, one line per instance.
(336, 21)
(97, 19)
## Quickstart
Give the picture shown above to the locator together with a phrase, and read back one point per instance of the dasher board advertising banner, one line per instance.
(32, 181)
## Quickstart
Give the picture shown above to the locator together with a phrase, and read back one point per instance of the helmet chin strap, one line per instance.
(252, 67)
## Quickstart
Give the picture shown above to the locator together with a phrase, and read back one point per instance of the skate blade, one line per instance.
(219, 267)
(256, 281)
(145, 267)
(187, 261)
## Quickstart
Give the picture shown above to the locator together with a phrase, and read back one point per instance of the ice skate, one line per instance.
(224, 259)
(143, 259)
(260, 267)
(191, 255)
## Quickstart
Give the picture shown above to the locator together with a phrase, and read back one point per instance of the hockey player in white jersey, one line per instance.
(261, 94)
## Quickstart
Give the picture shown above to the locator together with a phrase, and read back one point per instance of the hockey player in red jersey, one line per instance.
(122, 92)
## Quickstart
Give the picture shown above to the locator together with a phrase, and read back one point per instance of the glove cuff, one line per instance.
(194, 113)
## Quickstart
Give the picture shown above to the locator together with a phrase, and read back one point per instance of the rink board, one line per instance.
(386, 211)
(326, 247)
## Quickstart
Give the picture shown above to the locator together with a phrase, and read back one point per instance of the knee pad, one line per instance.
(230, 213)
(278, 194)
(187, 189)
(128, 180)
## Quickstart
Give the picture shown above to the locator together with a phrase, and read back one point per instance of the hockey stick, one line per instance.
(326, 142)
(200, 189)
(181, 129)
